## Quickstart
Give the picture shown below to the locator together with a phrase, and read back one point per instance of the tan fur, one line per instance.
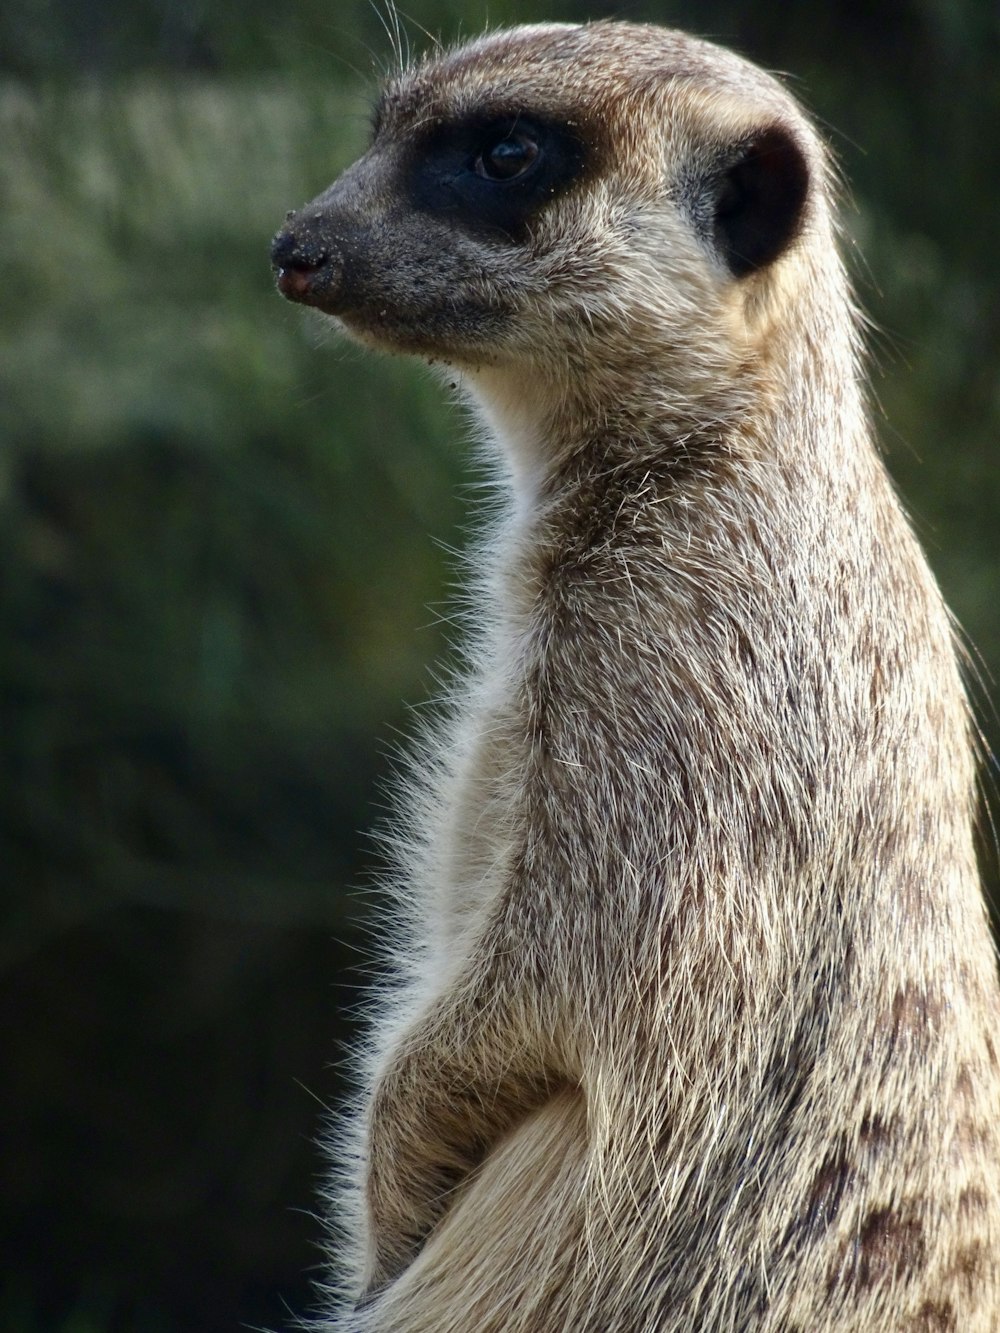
(697, 1011)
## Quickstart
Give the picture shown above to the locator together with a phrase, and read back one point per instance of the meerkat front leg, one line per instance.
(460, 1078)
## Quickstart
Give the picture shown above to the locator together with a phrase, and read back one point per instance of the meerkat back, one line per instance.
(695, 1010)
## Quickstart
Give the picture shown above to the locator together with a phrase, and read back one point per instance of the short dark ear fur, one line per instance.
(760, 199)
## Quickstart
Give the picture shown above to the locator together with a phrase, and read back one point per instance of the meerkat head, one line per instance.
(553, 201)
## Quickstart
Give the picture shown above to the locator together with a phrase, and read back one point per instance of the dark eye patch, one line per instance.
(445, 172)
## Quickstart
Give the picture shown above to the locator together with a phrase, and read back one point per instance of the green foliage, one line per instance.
(204, 505)
(19, 1314)
(217, 535)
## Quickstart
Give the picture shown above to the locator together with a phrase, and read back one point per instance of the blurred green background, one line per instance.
(224, 568)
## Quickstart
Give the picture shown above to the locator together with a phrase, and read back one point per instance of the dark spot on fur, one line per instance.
(889, 1245)
(991, 1050)
(968, 1268)
(934, 1317)
(876, 1135)
(911, 1018)
(877, 686)
(971, 1137)
(837, 1176)
(826, 1194)
(972, 1202)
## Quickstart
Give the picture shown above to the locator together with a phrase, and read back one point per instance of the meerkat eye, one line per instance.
(509, 158)
(493, 175)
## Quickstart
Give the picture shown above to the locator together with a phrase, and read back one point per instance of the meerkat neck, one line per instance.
(785, 381)
(548, 438)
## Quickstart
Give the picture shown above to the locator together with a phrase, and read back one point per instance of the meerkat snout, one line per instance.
(303, 264)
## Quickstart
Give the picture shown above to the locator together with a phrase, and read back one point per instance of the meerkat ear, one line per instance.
(760, 200)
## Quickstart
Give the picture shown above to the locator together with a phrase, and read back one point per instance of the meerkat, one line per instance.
(695, 1014)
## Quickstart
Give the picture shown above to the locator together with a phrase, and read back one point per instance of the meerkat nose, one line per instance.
(303, 265)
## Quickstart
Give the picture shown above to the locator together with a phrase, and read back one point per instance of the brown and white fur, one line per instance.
(696, 1018)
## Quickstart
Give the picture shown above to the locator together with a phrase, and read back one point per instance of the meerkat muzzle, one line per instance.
(307, 269)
